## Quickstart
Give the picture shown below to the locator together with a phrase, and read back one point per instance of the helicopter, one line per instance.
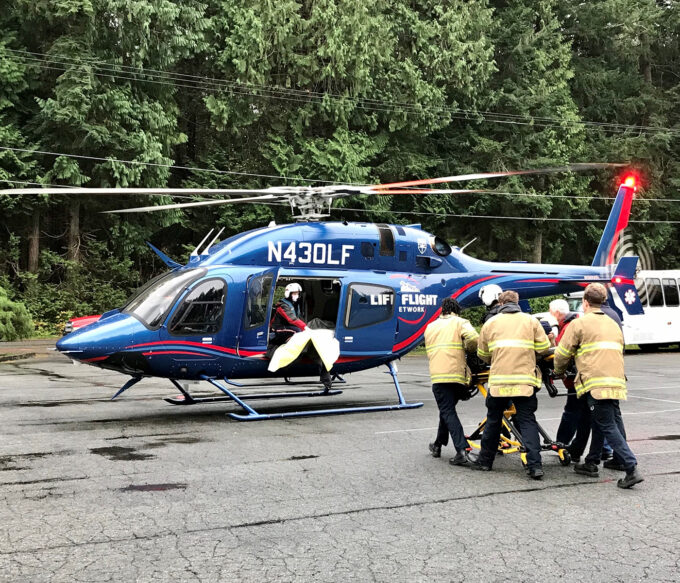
(379, 285)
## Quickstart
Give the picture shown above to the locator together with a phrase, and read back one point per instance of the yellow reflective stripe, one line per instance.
(590, 346)
(596, 382)
(450, 378)
(508, 343)
(481, 352)
(541, 345)
(605, 382)
(562, 351)
(514, 379)
(445, 345)
(470, 331)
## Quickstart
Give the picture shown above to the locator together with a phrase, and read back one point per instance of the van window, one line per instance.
(368, 304)
(670, 292)
(201, 311)
(641, 290)
(654, 295)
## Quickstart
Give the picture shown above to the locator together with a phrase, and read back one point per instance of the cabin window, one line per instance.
(201, 310)
(386, 240)
(367, 249)
(654, 295)
(670, 291)
(368, 304)
(257, 302)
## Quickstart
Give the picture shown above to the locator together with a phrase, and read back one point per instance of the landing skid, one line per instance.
(252, 415)
(189, 399)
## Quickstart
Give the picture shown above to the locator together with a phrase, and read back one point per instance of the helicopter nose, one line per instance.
(97, 342)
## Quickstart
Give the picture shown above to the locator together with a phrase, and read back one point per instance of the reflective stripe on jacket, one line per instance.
(446, 340)
(596, 343)
(509, 341)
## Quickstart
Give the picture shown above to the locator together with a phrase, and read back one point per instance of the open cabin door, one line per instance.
(367, 325)
(257, 307)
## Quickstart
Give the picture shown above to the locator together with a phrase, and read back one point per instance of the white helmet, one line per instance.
(292, 288)
(489, 294)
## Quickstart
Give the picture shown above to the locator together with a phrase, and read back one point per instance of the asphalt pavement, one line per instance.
(141, 490)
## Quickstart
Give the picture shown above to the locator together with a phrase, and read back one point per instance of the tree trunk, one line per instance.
(73, 251)
(538, 243)
(34, 243)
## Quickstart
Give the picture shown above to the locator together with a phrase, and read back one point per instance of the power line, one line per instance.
(171, 166)
(156, 164)
(496, 217)
(304, 96)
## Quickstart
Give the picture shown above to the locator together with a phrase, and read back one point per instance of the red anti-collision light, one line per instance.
(629, 181)
(617, 280)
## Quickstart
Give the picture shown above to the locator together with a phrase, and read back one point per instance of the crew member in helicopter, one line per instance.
(287, 320)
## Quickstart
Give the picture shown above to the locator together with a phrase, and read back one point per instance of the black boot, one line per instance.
(435, 449)
(587, 469)
(632, 477)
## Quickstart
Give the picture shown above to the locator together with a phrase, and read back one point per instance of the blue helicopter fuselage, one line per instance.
(380, 285)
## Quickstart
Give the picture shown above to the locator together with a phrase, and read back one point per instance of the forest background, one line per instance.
(256, 93)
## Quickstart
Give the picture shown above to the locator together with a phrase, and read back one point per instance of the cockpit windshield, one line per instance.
(151, 303)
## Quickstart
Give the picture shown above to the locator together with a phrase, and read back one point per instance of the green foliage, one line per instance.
(251, 94)
(15, 321)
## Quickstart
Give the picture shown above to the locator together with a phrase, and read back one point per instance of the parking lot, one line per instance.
(140, 490)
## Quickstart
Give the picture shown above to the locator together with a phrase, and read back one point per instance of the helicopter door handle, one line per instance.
(259, 334)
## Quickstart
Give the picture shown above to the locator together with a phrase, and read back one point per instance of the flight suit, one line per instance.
(510, 341)
(446, 340)
(595, 341)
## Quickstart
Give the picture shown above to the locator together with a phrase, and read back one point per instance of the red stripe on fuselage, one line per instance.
(473, 283)
(161, 351)
(96, 358)
(412, 322)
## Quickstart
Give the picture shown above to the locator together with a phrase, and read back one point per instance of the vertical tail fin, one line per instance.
(618, 220)
(624, 284)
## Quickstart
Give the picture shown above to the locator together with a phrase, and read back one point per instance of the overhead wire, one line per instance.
(567, 219)
(162, 77)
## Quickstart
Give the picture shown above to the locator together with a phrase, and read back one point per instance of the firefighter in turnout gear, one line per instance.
(596, 343)
(446, 340)
(510, 341)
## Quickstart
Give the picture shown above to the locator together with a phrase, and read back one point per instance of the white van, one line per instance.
(660, 324)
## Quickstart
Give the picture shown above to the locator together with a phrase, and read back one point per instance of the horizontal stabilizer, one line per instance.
(164, 258)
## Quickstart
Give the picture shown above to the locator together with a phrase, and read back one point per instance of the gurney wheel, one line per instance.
(565, 457)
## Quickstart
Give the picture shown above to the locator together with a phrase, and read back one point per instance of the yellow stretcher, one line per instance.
(511, 439)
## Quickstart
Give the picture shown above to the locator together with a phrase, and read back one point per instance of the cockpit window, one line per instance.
(151, 303)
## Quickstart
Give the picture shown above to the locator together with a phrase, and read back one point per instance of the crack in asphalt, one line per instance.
(317, 516)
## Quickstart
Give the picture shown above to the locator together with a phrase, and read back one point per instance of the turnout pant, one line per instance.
(447, 396)
(608, 424)
(570, 416)
(525, 419)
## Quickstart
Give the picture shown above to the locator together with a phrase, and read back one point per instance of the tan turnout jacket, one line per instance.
(509, 341)
(446, 340)
(596, 343)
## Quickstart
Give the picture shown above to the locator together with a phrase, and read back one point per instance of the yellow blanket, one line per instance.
(324, 342)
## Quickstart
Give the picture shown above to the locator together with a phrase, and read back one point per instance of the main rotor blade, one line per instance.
(430, 191)
(150, 209)
(150, 191)
(181, 205)
(484, 175)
